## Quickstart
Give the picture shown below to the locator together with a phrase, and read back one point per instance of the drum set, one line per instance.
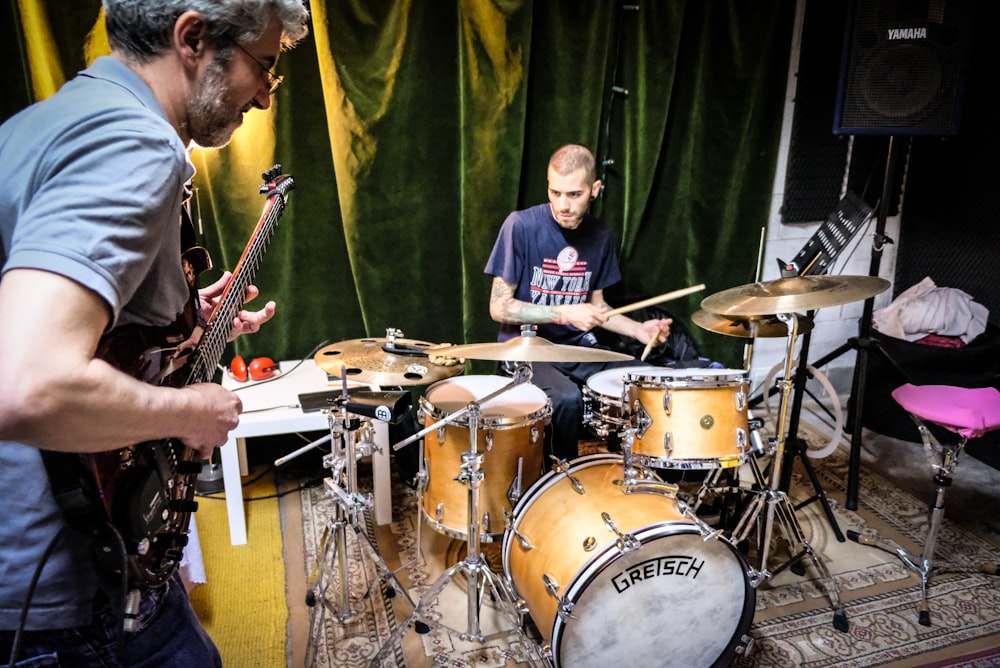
(607, 558)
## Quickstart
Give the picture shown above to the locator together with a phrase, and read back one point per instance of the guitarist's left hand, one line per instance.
(246, 322)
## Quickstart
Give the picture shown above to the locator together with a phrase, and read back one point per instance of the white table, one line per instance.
(272, 407)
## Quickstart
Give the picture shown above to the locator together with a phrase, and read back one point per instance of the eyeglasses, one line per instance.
(273, 80)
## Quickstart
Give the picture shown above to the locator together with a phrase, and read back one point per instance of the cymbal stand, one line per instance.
(331, 563)
(479, 577)
(777, 508)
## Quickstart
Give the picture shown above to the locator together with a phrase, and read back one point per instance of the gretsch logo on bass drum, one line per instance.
(680, 565)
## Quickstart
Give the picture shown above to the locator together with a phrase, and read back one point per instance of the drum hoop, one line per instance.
(699, 382)
(489, 420)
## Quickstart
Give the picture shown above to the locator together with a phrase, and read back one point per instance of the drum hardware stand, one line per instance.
(478, 575)
(348, 505)
(799, 446)
(778, 507)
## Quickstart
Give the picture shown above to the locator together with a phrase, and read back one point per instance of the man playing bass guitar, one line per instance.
(94, 183)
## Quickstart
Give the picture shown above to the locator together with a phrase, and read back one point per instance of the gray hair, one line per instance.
(141, 29)
(571, 157)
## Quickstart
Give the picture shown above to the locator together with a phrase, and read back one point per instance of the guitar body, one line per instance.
(146, 491)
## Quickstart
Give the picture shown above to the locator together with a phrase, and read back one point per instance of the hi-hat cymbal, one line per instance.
(794, 294)
(532, 348)
(403, 362)
(757, 327)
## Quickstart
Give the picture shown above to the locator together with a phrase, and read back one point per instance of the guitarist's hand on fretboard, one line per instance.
(246, 322)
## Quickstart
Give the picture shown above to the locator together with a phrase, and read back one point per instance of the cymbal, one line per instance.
(532, 348)
(404, 362)
(756, 327)
(793, 294)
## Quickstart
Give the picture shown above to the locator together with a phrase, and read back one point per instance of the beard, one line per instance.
(213, 115)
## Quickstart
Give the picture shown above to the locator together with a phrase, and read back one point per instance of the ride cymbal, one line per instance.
(758, 327)
(532, 348)
(792, 295)
(401, 362)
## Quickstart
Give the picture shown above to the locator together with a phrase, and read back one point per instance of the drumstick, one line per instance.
(665, 297)
(649, 347)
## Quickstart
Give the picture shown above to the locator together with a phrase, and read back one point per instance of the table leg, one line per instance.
(382, 474)
(230, 454)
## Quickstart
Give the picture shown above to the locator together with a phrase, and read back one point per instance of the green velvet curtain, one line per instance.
(413, 127)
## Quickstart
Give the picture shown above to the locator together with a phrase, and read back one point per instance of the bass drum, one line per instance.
(611, 578)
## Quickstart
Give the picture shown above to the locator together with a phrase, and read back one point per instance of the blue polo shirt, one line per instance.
(93, 181)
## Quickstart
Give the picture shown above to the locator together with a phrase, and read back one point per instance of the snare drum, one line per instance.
(509, 436)
(689, 418)
(611, 578)
(602, 400)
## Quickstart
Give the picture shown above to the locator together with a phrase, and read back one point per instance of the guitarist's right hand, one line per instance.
(216, 412)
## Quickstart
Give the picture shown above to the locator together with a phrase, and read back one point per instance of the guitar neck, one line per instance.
(205, 359)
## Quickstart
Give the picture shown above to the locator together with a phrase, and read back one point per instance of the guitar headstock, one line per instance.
(276, 182)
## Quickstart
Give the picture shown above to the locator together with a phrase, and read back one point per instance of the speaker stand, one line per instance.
(864, 343)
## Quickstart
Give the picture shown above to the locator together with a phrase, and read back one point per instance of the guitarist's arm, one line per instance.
(54, 393)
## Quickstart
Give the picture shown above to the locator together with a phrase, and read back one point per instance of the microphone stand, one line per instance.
(342, 486)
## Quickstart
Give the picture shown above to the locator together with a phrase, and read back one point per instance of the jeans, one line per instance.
(169, 636)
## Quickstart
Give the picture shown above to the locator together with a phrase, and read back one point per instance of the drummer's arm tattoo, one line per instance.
(505, 308)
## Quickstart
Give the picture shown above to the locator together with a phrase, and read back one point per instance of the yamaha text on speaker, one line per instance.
(904, 66)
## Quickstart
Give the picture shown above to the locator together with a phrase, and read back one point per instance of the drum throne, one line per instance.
(956, 412)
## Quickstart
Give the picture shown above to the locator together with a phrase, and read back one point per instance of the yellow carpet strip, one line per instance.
(243, 603)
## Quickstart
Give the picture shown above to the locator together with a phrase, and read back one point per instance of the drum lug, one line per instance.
(486, 523)
(741, 401)
(668, 401)
(565, 608)
(489, 441)
(626, 542)
(741, 440)
(535, 434)
(439, 512)
(508, 523)
(562, 466)
(668, 444)
(441, 433)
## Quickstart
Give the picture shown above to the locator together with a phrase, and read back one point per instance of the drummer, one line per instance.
(550, 265)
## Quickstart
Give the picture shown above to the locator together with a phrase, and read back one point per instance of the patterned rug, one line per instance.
(793, 615)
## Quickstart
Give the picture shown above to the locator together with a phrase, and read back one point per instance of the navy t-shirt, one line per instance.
(552, 266)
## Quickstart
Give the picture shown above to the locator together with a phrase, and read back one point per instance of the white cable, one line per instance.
(835, 435)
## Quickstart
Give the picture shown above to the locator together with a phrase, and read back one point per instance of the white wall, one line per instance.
(833, 326)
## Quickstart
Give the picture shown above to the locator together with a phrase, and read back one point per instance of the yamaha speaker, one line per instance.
(903, 67)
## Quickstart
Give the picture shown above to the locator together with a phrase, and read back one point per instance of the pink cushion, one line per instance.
(970, 412)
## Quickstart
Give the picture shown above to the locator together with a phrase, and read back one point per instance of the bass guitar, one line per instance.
(147, 490)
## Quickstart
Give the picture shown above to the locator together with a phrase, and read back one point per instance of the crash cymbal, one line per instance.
(402, 362)
(532, 348)
(794, 294)
(757, 327)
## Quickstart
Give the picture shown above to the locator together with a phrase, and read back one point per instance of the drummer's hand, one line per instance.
(583, 316)
(653, 331)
